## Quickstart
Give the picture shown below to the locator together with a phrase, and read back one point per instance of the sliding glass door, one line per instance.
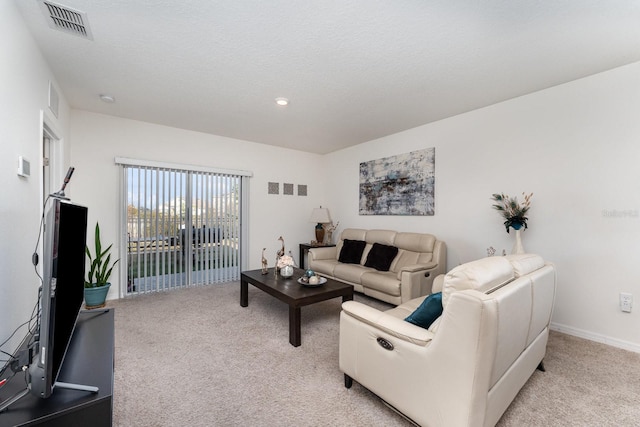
(183, 227)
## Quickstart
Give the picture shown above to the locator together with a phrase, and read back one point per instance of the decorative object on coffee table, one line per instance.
(281, 251)
(285, 265)
(514, 215)
(264, 262)
(279, 254)
(315, 280)
(320, 216)
(310, 278)
(286, 271)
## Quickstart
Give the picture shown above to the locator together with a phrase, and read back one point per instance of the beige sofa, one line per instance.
(419, 259)
(467, 367)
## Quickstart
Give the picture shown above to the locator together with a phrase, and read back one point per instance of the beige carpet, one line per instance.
(194, 357)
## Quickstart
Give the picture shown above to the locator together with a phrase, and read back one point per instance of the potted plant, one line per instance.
(97, 284)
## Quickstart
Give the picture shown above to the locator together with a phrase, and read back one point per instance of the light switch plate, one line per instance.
(24, 167)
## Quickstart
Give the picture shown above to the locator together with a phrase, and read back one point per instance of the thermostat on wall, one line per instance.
(24, 167)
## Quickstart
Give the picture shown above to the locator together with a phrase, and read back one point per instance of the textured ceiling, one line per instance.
(354, 70)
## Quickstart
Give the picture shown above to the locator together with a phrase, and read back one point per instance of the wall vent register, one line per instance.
(65, 19)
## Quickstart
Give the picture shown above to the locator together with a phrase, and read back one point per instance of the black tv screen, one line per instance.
(65, 238)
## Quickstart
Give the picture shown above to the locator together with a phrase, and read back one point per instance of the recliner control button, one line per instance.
(385, 344)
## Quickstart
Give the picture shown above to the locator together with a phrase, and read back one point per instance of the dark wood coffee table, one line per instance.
(293, 294)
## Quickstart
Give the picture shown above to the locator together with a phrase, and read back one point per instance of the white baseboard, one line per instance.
(625, 345)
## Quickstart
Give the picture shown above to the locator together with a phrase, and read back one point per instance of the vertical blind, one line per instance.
(183, 227)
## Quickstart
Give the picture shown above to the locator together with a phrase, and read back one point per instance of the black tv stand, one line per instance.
(89, 360)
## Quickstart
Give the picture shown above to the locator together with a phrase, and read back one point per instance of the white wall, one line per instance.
(97, 139)
(24, 85)
(577, 148)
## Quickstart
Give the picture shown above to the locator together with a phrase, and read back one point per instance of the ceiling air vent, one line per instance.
(65, 19)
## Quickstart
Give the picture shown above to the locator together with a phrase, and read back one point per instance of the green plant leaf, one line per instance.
(100, 267)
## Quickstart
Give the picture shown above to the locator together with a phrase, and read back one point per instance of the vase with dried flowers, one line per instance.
(514, 213)
(285, 265)
(511, 210)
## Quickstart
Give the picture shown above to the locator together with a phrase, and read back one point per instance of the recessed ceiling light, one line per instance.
(282, 101)
(108, 99)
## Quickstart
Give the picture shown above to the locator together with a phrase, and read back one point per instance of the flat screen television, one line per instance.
(65, 239)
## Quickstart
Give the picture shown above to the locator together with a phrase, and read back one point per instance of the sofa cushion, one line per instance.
(351, 252)
(351, 273)
(324, 266)
(484, 275)
(406, 308)
(385, 237)
(427, 312)
(525, 263)
(353, 234)
(383, 281)
(415, 242)
(406, 258)
(381, 256)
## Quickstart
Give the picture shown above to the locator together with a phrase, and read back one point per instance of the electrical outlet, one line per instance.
(626, 302)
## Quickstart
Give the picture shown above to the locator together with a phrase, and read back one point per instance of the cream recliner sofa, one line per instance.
(420, 258)
(468, 366)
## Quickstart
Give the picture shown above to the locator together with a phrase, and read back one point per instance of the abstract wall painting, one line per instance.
(399, 185)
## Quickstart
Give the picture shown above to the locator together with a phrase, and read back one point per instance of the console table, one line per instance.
(89, 361)
(304, 249)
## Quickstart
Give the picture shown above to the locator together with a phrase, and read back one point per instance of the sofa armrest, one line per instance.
(417, 267)
(387, 323)
(322, 253)
(416, 279)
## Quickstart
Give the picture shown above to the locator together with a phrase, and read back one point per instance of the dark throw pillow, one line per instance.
(427, 312)
(351, 252)
(381, 256)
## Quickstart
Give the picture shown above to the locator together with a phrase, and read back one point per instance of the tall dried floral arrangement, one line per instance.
(511, 210)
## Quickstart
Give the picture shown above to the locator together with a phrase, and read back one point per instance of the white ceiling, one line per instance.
(354, 70)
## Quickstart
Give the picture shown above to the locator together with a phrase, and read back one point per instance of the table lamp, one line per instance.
(320, 216)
